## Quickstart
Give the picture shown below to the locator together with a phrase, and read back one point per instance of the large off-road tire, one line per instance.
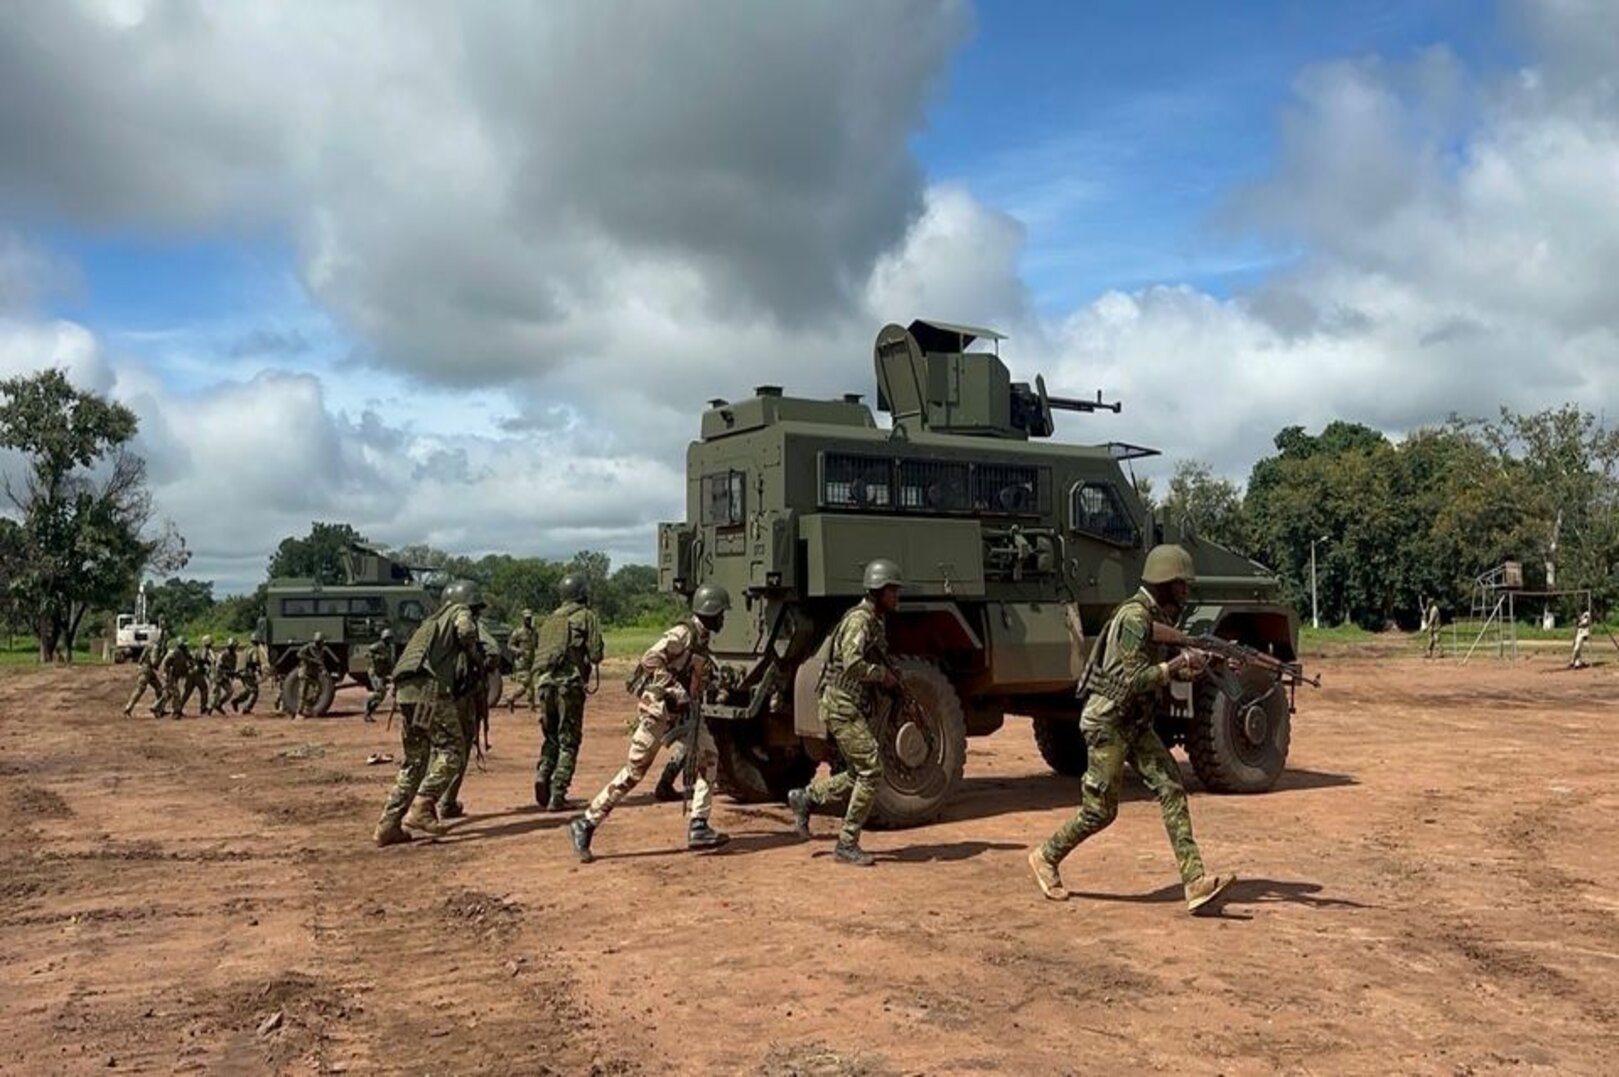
(752, 772)
(497, 687)
(910, 795)
(1238, 748)
(1061, 745)
(292, 686)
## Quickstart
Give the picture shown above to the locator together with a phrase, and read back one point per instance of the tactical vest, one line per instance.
(434, 653)
(555, 635)
(833, 673)
(1098, 677)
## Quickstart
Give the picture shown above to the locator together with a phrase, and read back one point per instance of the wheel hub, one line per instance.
(1256, 724)
(911, 745)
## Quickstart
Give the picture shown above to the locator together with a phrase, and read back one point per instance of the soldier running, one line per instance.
(224, 675)
(666, 675)
(379, 668)
(569, 647)
(1124, 680)
(857, 667)
(177, 669)
(202, 674)
(521, 645)
(146, 677)
(253, 662)
(433, 684)
(314, 660)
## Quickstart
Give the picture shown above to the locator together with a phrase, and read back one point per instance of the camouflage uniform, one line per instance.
(202, 673)
(476, 712)
(857, 663)
(146, 677)
(1117, 724)
(252, 666)
(380, 666)
(1582, 635)
(1430, 625)
(177, 667)
(572, 638)
(433, 684)
(522, 645)
(312, 663)
(664, 702)
(224, 674)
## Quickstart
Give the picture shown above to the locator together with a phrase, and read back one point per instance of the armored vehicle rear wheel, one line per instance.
(497, 687)
(1061, 745)
(923, 754)
(753, 772)
(292, 688)
(1238, 747)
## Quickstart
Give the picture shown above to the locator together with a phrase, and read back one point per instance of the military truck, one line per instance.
(378, 592)
(1014, 549)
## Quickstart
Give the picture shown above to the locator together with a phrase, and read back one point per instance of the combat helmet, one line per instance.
(179, 643)
(318, 637)
(710, 600)
(387, 634)
(207, 641)
(231, 644)
(464, 593)
(1167, 563)
(883, 573)
(574, 588)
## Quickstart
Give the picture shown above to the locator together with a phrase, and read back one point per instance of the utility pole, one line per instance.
(1315, 609)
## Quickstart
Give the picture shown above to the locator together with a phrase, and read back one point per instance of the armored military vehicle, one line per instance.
(1014, 550)
(378, 592)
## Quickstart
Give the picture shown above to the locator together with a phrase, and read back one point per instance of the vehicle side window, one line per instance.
(297, 607)
(331, 607)
(724, 498)
(410, 610)
(1096, 509)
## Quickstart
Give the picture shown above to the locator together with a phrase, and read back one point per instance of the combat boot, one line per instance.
(665, 791)
(129, 711)
(1046, 874)
(702, 836)
(852, 854)
(1202, 891)
(422, 817)
(581, 830)
(799, 801)
(558, 800)
(451, 809)
(389, 832)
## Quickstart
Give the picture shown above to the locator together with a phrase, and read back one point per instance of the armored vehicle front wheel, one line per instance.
(1061, 745)
(1239, 746)
(754, 772)
(497, 687)
(923, 752)
(292, 692)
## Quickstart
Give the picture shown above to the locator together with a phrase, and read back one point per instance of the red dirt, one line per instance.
(1433, 888)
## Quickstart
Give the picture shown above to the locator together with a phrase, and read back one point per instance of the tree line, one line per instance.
(1396, 522)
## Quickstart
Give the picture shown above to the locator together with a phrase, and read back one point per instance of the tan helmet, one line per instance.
(1166, 563)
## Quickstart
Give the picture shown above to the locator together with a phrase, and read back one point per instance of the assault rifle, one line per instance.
(701, 669)
(1235, 657)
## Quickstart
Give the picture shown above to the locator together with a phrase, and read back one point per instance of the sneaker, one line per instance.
(1046, 874)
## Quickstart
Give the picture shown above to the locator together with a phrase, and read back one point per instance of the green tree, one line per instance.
(79, 541)
(318, 555)
(179, 602)
(1212, 506)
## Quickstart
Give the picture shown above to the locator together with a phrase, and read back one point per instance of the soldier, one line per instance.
(177, 677)
(380, 659)
(857, 667)
(569, 647)
(278, 668)
(666, 675)
(1582, 635)
(1430, 625)
(1125, 679)
(202, 673)
(522, 645)
(224, 674)
(433, 684)
(314, 659)
(146, 677)
(253, 661)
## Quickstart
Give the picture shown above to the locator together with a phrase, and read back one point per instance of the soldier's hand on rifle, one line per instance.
(1189, 664)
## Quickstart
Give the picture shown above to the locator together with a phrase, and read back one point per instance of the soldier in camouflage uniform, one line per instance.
(1582, 636)
(202, 675)
(380, 666)
(224, 675)
(253, 663)
(474, 717)
(1124, 681)
(433, 684)
(1430, 625)
(569, 647)
(146, 677)
(666, 675)
(314, 659)
(521, 645)
(177, 669)
(857, 668)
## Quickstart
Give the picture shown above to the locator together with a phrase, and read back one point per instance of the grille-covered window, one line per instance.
(297, 607)
(724, 498)
(856, 482)
(1095, 508)
(934, 486)
(1008, 488)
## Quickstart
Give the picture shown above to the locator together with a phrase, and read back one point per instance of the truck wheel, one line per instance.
(923, 755)
(292, 690)
(1238, 748)
(754, 773)
(497, 687)
(1061, 745)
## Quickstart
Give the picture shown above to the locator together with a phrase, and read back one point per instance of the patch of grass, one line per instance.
(629, 641)
(1341, 634)
(23, 651)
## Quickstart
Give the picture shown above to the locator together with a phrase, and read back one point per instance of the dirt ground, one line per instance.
(1434, 888)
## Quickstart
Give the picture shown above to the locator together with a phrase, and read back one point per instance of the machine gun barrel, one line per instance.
(1068, 403)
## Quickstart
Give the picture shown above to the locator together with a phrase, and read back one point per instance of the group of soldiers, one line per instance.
(229, 676)
(436, 690)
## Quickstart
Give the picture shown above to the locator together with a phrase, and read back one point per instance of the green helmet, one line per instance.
(710, 600)
(231, 644)
(1166, 563)
(318, 637)
(179, 643)
(207, 641)
(883, 573)
(528, 615)
(464, 593)
(387, 634)
(574, 588)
